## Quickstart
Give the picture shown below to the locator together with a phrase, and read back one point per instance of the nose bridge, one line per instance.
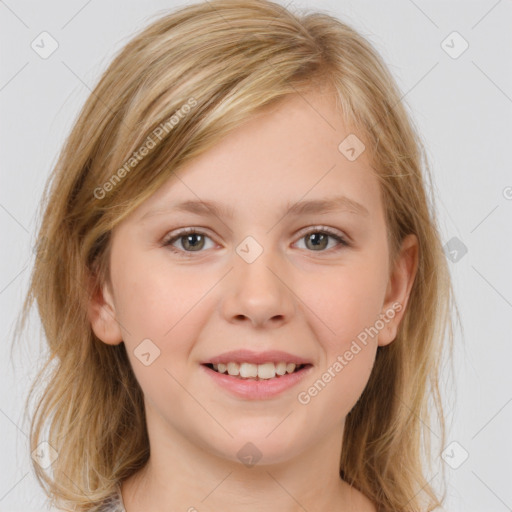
(256, 289)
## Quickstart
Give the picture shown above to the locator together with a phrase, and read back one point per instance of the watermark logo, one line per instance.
(146, 352)
(249, 249)
(454, 45)
(45, 454)
(351, 147)
(44, 45)
(455, 249)
(249, 454)
(455, 455)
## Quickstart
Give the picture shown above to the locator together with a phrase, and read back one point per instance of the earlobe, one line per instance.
(399, 288)
(102, 315)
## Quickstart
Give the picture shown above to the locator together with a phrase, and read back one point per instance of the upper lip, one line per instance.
(248, 356)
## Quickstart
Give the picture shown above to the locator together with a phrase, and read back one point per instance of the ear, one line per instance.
(399, 287)
(102, 314)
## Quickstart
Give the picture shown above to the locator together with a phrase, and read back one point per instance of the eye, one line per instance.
(317, 239)
(191, 240)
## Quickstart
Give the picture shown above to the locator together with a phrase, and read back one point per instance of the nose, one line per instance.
(259, 292)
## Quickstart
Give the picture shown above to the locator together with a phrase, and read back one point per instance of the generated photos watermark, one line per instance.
(305, 397)
(152, 140)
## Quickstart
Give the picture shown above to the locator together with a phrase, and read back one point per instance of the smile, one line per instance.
(256, 371)
(256, 387)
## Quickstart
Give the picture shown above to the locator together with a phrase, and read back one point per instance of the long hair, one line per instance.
(191, 77)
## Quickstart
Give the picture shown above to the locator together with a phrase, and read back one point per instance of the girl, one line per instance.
(242, 283)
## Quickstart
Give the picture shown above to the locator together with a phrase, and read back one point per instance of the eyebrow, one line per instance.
(212, 208)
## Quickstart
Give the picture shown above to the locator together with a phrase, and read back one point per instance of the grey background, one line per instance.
(463, 109)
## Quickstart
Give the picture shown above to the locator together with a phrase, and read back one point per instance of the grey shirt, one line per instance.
(114, 503)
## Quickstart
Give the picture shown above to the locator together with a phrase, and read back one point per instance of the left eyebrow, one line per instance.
(212, 208)
(337, 203)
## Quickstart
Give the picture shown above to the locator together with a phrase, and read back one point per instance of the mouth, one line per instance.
(257, 372)
(257, 380)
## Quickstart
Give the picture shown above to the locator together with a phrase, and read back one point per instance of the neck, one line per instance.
(183, 476)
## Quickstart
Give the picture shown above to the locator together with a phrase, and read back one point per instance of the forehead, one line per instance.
(295, 150)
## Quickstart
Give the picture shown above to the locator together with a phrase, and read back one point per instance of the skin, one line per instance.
(293, 297)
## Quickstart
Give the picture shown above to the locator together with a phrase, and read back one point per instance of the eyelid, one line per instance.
(178, 233)
(343, 241)
(325, 229)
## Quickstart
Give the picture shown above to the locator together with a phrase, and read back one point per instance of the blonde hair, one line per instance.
(229, 58)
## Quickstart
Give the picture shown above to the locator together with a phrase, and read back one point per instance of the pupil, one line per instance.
(316, 242)
(191, 237)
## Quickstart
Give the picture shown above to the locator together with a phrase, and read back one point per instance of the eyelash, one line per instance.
(342, 242)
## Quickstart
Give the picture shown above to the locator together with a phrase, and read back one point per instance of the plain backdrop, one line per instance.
(452, 61)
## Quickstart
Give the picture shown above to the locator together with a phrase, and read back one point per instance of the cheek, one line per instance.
(161, 316)
(347, 362)
(168, 307)
(153, 301)
(336, 390)
(347, 300)
(337, 385)
(350, 305)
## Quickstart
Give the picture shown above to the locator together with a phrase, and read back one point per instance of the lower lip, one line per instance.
(257, 389)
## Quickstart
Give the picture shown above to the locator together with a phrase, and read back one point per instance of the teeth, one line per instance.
(261, 371)
(281, 368)
(266, 371)
(290, 367)
(248, 370)
(233, 368)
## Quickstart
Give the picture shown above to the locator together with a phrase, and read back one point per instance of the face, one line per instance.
(258, 274)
